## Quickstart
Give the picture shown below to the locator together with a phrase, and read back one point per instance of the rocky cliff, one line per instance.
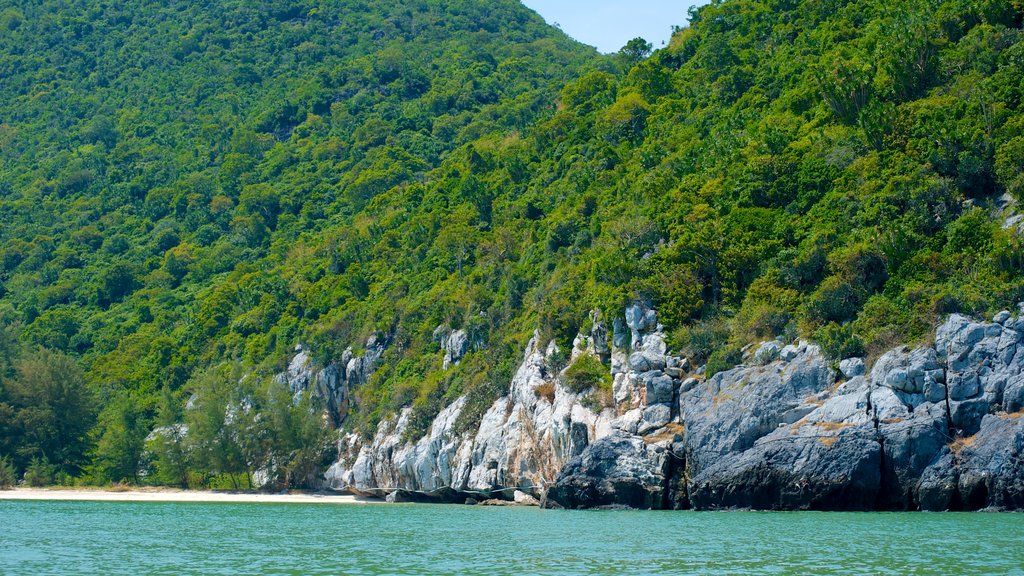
(935, 427)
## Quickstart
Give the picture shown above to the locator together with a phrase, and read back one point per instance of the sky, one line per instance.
(609, 24)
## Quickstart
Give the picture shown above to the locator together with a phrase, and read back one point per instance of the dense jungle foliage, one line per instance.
(188, 191)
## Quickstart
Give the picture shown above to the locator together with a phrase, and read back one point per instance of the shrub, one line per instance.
(585, 373)
(699, 341)
(970, 234)
(599, 400)
(839, 342)
(677, 295)
(861, 265)
(500, 367)
(545, 390)
(39, 473)
(836, 300)
(1009, 166)
(884, 323)
(723, 359)
(767, 308)
(8, 475)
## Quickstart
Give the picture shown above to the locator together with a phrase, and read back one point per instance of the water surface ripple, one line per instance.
(39, 538)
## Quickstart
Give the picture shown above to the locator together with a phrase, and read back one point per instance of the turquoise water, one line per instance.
(149, 538)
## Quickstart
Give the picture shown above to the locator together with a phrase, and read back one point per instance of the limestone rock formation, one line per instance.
(334, 382)
(934, 427)
(619, 470)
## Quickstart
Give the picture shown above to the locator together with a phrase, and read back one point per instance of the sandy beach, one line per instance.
(171, 495)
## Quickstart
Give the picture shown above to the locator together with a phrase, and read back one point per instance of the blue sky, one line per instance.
(609, 24)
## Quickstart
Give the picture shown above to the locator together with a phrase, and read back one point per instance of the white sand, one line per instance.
(170, 495)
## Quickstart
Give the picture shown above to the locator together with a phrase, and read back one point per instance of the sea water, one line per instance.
(38, 538)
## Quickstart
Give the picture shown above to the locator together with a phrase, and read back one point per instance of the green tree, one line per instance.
(55, 408)
(8, 474)
(216, 423)
(634, 51)
(168, 442)
(40, 472)
(122, 430)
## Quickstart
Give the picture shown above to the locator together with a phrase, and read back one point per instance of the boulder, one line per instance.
(628, 422)
(655, 416)
(524, 499)
(828, 460)
(985, 470)
(640, 319)
(852, 367)
(646, 362)
(767, 352)
(616, 470)
(729, 412)
(659, 387)
(788, 353)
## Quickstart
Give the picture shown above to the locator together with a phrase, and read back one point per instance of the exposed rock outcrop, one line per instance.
(876, 442)
(934, 427)
(525, 439)
(619, 470)
(828, 459)
(522, 442)
(981, 471)
(334, 382)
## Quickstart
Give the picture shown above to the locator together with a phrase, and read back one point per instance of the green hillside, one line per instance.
(188, 191)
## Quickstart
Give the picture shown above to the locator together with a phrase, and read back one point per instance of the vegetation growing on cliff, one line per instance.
(187, 186)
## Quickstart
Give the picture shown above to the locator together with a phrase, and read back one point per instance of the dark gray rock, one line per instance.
(616, 470)
(911, 441)
(992, 466)
(795, 473)
(966, 416)
(659, 387)
(729, 412)
(963, 385)
(655, 416)
(985, 470)
(938, 489)
(646, 362)
(828, 460)
(1013, 394)
(907, 371)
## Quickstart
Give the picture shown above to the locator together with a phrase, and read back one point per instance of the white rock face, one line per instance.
(523, 440)
(334, 382)
(524, 499)
(521, 443)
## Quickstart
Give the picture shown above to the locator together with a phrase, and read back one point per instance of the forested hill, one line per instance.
(189, 191)
(163, 163)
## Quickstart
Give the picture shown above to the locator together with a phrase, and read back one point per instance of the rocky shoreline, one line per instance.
(937, 427)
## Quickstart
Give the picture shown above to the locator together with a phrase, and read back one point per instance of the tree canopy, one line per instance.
(188, 191)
